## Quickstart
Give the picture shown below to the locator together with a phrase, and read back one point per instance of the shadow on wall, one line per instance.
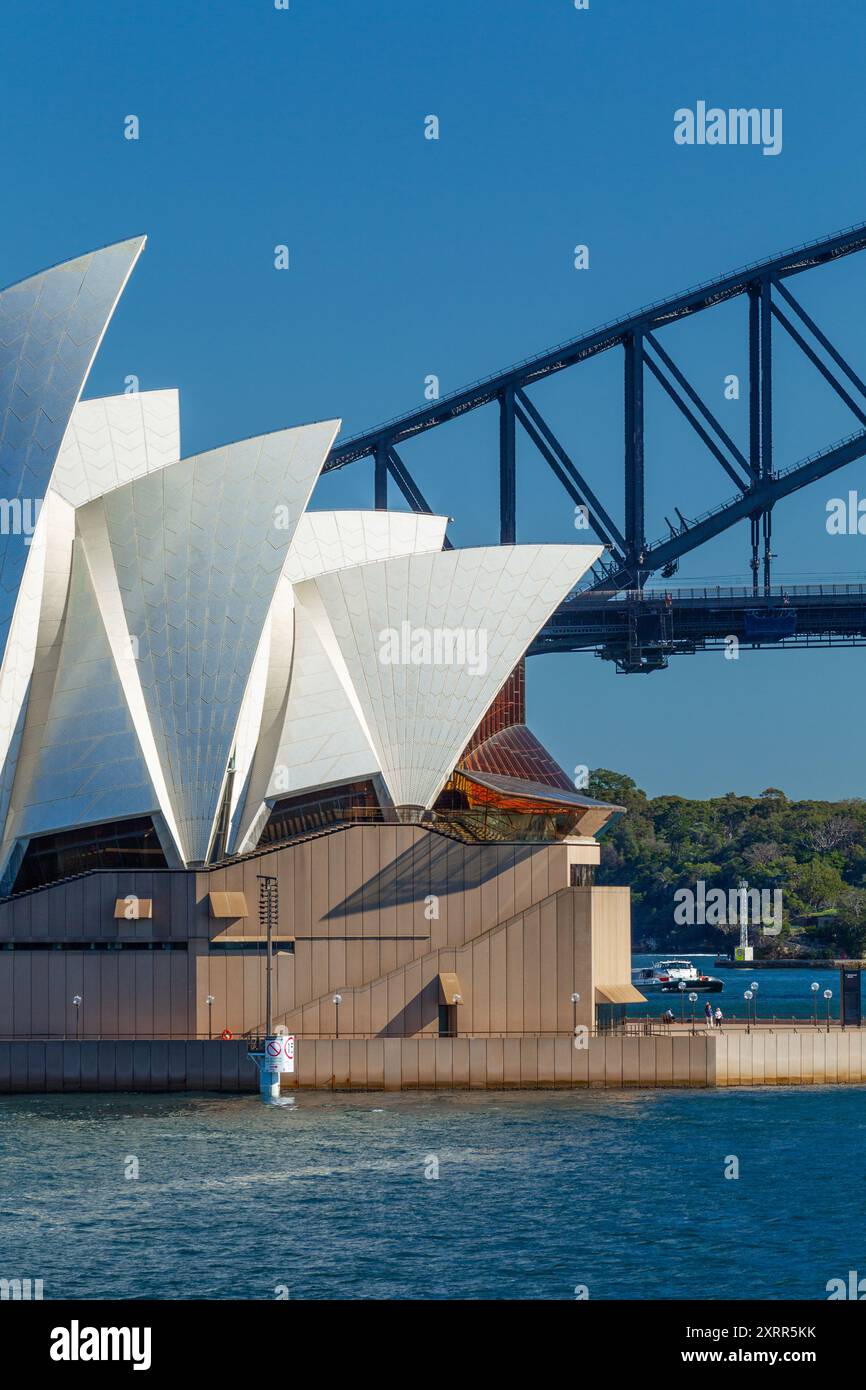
(435, 865)
(417, 1014)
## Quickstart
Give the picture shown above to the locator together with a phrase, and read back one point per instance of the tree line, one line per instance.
(814, 851)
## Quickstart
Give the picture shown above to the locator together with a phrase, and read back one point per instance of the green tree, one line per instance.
(818, 885)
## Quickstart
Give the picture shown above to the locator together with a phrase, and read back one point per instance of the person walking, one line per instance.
(718, 1017)
(708, 1013)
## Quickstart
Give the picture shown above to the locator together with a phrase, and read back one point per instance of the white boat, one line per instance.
(668, 975)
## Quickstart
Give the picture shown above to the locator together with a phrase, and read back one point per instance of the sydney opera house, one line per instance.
(208, 685)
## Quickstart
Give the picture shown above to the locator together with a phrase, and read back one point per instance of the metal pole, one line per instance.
(634, 453)
(268, 916)
(380, 478)
(507, 469)
(269, 1010)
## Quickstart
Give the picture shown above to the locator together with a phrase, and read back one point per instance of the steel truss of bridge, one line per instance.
(640, 629)
(616, 606)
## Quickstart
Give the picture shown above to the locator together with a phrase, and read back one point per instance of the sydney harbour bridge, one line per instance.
(617, 614)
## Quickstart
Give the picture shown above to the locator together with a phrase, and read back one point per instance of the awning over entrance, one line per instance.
(228, 905)
(618, 994)
(449, 988)
(133, 909)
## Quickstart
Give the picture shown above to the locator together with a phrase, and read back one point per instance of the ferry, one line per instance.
(667, 975)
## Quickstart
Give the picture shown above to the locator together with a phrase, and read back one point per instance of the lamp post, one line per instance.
(269, 916)
(693, 1000)
(828, 995)
(337, 1001)
(754, 988)
(575, 1000)
(76, 999)
(814, 986)
(748, 998)
(682, 989)
(210, 1003)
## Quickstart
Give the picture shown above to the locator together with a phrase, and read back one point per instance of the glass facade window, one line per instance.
(448, 1020)
(609, 1018)
(482, 814)
(298, 815)
(93, 945)
(251, 948)
(129, 844)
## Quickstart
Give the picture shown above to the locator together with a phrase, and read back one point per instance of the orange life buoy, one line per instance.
(227, 1035)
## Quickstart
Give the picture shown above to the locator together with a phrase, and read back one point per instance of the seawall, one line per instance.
(762, 1058)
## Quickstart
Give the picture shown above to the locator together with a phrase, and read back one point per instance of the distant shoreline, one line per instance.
(783, 963)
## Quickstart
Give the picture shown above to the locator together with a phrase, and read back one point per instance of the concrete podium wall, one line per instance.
(784, 1058)
(802, 1057)
(502, 1063)
(360, 1064)
(118, 1065)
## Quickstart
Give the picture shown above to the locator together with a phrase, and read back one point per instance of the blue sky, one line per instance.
(409, 257)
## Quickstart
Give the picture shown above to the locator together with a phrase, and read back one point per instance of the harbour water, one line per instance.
(432, 1196)
(783, 994)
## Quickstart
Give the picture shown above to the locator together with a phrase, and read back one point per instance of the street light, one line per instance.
(575, 1000)
(269, 917)
(76, 999)
(748, 996)
(210, 1003)
(692, 1001)
(828, 995)
(337, 1001)
(682, 989)
(754, 988)
(814, 986)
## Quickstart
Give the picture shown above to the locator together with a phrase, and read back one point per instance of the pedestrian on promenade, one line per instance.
(708, 1013)
(718, 1016)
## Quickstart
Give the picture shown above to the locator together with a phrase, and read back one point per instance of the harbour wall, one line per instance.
(790, 1057)
(377, 1064)
(764, 1058)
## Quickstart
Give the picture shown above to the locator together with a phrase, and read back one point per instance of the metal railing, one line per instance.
(635, 1027)
(716, 591)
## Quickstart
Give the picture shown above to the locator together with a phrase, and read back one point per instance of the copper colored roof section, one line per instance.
(223, 905)
(449, 988)
(516, 752)
(508, 708)
(522, 789)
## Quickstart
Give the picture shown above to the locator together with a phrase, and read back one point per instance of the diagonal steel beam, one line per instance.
(763, 494)
(582, 493)
(696, 400)
(696, 424)
(409, 488)
(405, 482)
(816, 361)
(822, 337)
(610, 535)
